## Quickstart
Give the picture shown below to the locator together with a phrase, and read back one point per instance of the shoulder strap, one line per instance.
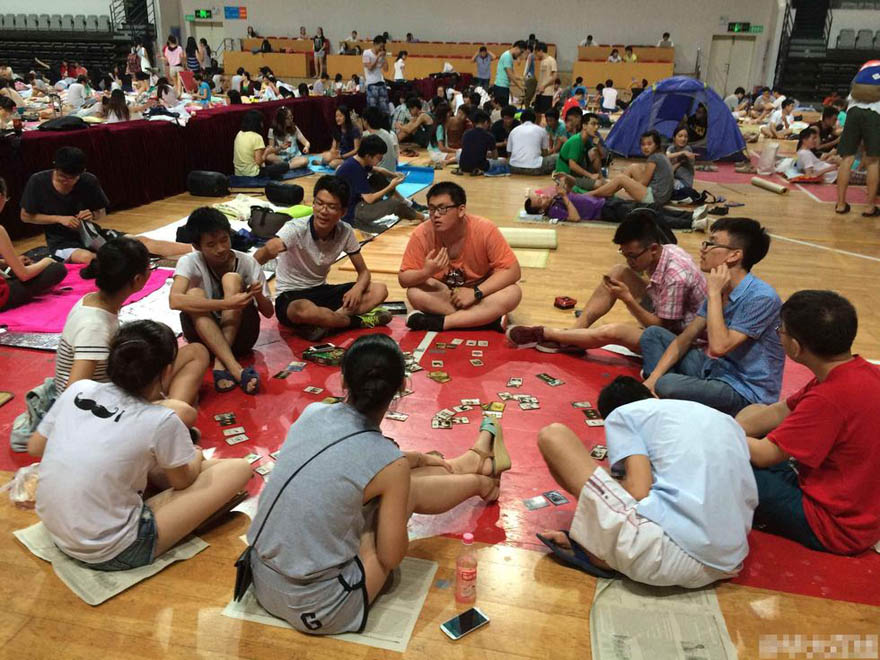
(298, 470)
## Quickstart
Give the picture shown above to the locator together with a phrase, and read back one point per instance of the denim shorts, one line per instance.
(140, 552)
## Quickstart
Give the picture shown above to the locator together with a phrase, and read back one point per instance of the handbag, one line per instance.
(282, 194)
(244, 576)
(265, 222)
(204, 183)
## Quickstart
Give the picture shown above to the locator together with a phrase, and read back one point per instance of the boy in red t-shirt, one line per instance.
(828, 500)
(458, 270)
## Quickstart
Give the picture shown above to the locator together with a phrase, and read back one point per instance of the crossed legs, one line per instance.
(434, 297)
(626, 182)
(304, 312)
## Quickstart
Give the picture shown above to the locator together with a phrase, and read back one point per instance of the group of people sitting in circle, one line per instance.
(701, 450)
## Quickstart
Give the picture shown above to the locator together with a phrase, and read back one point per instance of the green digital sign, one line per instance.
(739, 27)
(203, 13)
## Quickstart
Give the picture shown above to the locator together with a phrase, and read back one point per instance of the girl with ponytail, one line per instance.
(345, 493)
(100, 442)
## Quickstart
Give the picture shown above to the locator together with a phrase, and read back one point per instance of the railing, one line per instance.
(225, 46)
(829, 19)
(133, 17)
(784, 42)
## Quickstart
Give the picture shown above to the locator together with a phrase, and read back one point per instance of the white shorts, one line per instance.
(65, 253)
(607, 525)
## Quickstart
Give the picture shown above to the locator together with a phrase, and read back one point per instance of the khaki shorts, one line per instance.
(862, 125)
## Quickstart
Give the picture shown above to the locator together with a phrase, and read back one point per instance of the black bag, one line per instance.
(69, 123)
(282, 194)
(204, 183)
(243, 574)
(265, 222)
(159, 110)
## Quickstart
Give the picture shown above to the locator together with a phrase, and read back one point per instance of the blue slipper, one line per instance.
(577, 557)
(248, 376)
(223, 374)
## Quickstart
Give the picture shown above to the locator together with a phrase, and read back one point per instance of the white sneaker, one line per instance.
(700, 221)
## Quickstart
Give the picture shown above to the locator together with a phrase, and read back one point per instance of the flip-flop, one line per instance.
(576, 557)
(223, 374)
(846, 209)
(873, 213)
(248, 376)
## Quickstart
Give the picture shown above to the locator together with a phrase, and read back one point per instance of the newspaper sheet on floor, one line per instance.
(154, 307)
(392, 618)
(631, 621)
(94, 587)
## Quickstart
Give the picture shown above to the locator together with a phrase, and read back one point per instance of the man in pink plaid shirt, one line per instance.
(669, 297)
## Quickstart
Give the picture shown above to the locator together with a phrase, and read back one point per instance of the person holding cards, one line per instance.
(831, 501)
(670, 298)
(306, 248)
(219, 292)
(458, 270)
(681, 513)
(102, 443)
(344, 493)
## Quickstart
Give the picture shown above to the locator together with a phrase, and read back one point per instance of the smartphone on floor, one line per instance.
(466, 622)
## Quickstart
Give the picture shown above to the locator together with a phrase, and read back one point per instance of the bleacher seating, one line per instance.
(43, 22)
(846, 39)
(20, 22)
(67, 23)
(79, 23)
(865, 39)
(55, 22)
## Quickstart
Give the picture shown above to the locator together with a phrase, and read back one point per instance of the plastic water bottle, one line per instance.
(466, 571)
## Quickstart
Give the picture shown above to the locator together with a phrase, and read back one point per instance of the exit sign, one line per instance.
(756, 29)
(203, 13)
(739, 27)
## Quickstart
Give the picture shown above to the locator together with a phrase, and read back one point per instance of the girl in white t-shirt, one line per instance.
(809, 164)
(121, 268)
(400, 66)
(99, 444)
(286, 138)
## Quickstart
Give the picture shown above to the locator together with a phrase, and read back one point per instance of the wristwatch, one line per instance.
(478, 295)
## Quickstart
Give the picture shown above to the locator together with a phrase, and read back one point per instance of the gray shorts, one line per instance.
(140, 552)
(323, 607)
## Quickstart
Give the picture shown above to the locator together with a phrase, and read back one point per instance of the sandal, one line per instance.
(846, 209)
(576, 557)
(249, 376)
(873, 213)
(499, 456)
(223, 374)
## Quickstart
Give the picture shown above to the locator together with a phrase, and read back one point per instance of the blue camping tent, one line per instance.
(662, 106)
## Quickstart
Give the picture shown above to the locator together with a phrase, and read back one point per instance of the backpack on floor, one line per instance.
(204, 183)
(68, 123)
(282, 194)
(265, 222)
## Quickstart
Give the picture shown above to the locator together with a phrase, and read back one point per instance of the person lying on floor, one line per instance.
(671, 297)
(743, 361)
(102, 443)
(566, 201)
(306, 249)
(66, 197)
(815, 453)
(344, 494)
(121, 268)
(20, 279)
(681, 513)
(220, 293)
(250, 155)
(650, 182)
(457, 269)
(373, 189)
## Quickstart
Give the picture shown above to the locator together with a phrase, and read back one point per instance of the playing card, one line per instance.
(440, 351)
(437, 364)
(581, 404)
(599, 452)
(461, 409)
(497, 414)
(439, 376)
(470, 342)
(457, 342)
(555, 497)
(528, 405)
(233, 431)
(446, 413)
(505, 396)
(591, 413)
(496, 406)
(470, 402)
(281, 375)
(264, 469)
(441, 423)
(476, 353)
(222, 416)
(311, 389)
(252, 458)
(274, 454)
(514, 382)
(483, 343)
(440, 344)
(397, 416)
(413, 368)
(477, 363)
(235, 439)
(460, 420)
(536, 502)
(595, 422)
(295, 366)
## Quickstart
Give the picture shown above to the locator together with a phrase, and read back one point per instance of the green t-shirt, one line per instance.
(573, 149)
(504, 62)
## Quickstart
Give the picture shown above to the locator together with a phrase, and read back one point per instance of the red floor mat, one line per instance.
(773, 564)
(827, 193)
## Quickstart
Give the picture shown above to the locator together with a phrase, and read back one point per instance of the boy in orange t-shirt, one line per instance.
(458, 270)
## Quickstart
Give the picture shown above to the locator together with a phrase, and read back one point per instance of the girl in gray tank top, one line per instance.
(339, 527)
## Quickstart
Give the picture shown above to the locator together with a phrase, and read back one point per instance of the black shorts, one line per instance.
(323, 295)
(248, 331)
(543, 103)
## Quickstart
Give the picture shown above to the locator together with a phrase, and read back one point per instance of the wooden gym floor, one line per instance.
(538, 608)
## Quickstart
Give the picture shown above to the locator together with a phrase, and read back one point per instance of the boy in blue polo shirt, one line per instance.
(744, 358)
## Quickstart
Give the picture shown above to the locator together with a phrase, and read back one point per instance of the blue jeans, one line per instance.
(781, 506)
(140, 552)
(685, 380)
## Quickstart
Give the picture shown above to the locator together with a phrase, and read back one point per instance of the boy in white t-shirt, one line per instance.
(779, 123)
(306, 249)
(219, 291)
(609, 97)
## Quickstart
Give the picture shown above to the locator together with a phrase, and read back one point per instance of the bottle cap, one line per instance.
(467, 538)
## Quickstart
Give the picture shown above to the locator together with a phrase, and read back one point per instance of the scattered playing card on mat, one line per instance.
(470, 342)
(536, 502)
(233, 431)
(441, 423)
(274, 454)
(483, 343)
(591, 413)
(514, 382)
(460, 420)
(470, 402)
(581, 404)
(476, 353)
(311, 389)
(397, 416)
(599, 452)
(235, 439)
(252, 458)
(439, 376)
(556, 498)
(505, 396)
(457, 342)
(528, 405)
(595, 422)
(477, 363)
(264, 469)
(437, 364)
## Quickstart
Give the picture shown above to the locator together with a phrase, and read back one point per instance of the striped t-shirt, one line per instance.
(86, 336)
